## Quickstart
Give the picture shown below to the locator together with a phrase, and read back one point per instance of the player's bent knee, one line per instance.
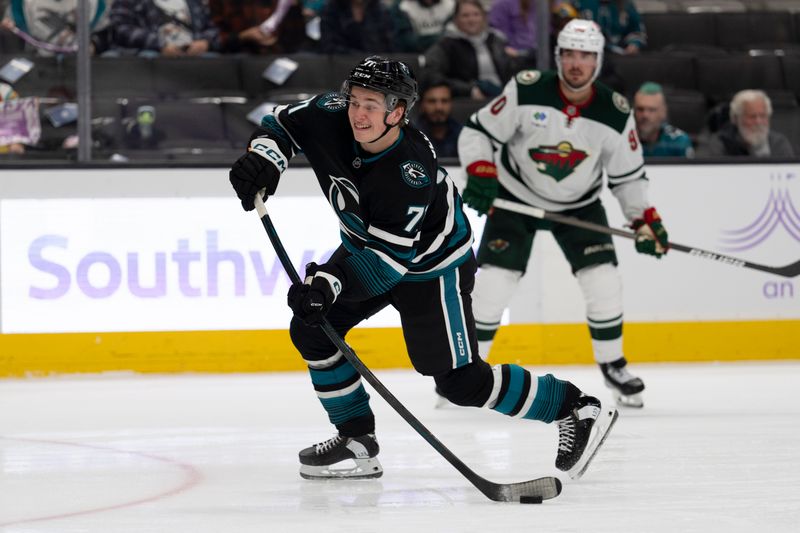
(311, 342)
(468, 386)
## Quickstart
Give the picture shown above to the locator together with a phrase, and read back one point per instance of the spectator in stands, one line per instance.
(49, 27)
(620, 21)
(356, 27)
(435, 120)
(748, 132)
(170, 28)
(560, 14)
(141, 132)
(658, 138)
(259, 26)
(516, 19)
(313, 8)
(7, 94)
(470, 55)
(420, 23)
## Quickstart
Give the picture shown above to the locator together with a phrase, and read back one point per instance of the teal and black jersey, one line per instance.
(400, 215)
(671, 142)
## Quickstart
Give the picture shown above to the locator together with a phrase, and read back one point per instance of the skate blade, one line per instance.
(602, 426)
(626, 400)
(631, 400)
(363, 469)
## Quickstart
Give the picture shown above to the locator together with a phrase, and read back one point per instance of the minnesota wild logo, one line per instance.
(557, 161)
(498, 245)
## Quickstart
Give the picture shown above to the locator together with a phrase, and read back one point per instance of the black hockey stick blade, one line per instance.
(543, 488)
(788, 271)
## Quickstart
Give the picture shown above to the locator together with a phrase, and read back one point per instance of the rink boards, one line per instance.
(159, 270)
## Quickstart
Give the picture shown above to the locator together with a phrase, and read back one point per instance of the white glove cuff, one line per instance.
(333, 281)
(269, 150)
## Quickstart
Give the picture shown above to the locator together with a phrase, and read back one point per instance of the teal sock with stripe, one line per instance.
(339, 389)
(519, 396)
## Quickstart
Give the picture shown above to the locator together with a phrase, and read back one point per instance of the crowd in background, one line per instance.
(469, 50)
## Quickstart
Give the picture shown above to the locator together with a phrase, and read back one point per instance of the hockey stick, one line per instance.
(533, 491)
(788, 271)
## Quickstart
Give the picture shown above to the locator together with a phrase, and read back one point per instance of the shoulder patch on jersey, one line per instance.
(620, 102)
(414, 174)
(332, 102)
(528, 77)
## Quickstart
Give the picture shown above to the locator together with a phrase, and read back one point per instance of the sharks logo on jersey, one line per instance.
(343, 197)
(414, 174)
(557, 161)
(332, 102)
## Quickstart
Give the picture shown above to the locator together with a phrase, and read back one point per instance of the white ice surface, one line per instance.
(716, 449)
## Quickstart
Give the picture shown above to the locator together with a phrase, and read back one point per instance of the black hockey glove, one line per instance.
(260, 168)
(311, 300)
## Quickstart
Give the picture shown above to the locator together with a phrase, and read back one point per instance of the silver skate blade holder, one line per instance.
(533, 491)
(788, 271)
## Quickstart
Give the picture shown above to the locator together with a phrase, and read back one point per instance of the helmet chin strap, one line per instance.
(385, 131)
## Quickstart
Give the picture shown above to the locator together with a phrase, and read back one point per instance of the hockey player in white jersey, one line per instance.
(545, 141)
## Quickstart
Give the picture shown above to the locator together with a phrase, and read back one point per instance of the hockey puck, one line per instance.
(530, 499)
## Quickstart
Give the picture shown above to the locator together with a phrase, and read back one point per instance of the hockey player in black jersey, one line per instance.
(405, 243)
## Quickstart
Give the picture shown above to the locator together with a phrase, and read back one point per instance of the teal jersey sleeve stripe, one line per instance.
(374, 275)
(354, 224)
(269, 122)
(402, 256)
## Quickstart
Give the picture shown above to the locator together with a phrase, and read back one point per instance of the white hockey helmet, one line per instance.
(584, 35)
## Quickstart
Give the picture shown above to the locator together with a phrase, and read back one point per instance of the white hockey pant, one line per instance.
(494, 287)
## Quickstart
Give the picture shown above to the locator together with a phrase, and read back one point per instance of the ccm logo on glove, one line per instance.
(267, 148)
(311, 300)
(260, 168)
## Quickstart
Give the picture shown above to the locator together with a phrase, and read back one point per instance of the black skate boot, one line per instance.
(581, 433)
(318, 461)
(625, 387)
(441, 401)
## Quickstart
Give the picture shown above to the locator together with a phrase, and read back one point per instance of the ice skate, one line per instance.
(625, 387)
(581, 433)
(342, 458)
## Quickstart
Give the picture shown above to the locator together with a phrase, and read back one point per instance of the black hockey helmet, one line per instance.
(392, 78)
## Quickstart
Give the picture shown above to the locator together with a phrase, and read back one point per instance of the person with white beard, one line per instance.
(748, 132)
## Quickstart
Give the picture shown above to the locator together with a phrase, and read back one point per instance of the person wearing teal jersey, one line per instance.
(658, 137)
